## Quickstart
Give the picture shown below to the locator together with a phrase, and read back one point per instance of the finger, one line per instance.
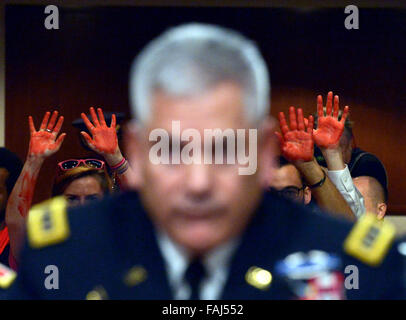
(94, 117)
(113, 121)
(329, 104)
(101, 117)
(345, 114)
(310, 125)
(59, 141)
(45, 120)
(306, 122)
(300, 121)
(283, 124)
(51, 123)
(280, 138)
(292, 118)
(87, 122)
(31, 124)
(320, 112)
(87, 138)
(58, 125)
(336, 107)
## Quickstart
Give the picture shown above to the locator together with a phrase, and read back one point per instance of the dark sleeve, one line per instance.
(22, 287)
(17, 291)
(394, 275)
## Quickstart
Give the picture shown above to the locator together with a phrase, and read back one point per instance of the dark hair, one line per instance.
(284, 162)
(65, 178)
(13, 164)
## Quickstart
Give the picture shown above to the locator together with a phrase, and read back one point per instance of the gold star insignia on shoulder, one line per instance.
(47, 223)
(135, 275)
(258, 278)
(7, 276)
(370, 239)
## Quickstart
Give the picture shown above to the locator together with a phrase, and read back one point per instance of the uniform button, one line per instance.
(135, 276)
(258, 278)
(98, 293)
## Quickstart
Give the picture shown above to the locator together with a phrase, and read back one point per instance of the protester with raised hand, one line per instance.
(104, 142)
(327, 138)
(43, 143)
(10, 169)
(297, 146)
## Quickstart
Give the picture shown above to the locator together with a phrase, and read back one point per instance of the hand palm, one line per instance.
(329, 129)
(42, 143)
(298, 145)
(328, 132)
(105, 139)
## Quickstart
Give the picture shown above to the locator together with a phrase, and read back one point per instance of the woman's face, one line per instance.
(83, 189)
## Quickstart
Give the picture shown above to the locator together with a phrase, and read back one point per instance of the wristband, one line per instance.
(123, 168)
(118, 165)
(320, 183)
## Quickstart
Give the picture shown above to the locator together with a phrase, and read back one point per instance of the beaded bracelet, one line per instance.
(123, 168)
(118, 165)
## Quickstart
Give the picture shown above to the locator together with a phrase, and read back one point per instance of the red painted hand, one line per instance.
(296, 143)
(44, 142)
(329, 129)
(104, 139)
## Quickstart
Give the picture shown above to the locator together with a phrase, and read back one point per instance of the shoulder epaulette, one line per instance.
(48, 223)
(7, 276)
(370, 239)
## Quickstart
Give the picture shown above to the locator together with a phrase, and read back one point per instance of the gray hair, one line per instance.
(190, 59)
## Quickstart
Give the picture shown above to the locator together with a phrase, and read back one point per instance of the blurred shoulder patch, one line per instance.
(370, 240)
(48, 223)
(7, 276)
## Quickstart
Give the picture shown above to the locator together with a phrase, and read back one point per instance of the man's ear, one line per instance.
(382, 207)
(267, 151)
(307, 195)
(134, 149)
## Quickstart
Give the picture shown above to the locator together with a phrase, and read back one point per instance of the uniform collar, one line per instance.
(177, 259)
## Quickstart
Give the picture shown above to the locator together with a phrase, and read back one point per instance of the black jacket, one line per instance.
(112, 241)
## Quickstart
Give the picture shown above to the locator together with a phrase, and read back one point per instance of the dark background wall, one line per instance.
(86, 62)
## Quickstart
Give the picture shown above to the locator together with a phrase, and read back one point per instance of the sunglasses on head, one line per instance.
(74, 163)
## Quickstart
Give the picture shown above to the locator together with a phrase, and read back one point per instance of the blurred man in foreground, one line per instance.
(194, 229)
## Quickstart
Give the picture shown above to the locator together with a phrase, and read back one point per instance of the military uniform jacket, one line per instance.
(108, 250)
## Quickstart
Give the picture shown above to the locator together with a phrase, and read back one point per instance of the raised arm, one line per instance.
(327, 137)
(297, 146)
(43, 143)
(104, 141)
